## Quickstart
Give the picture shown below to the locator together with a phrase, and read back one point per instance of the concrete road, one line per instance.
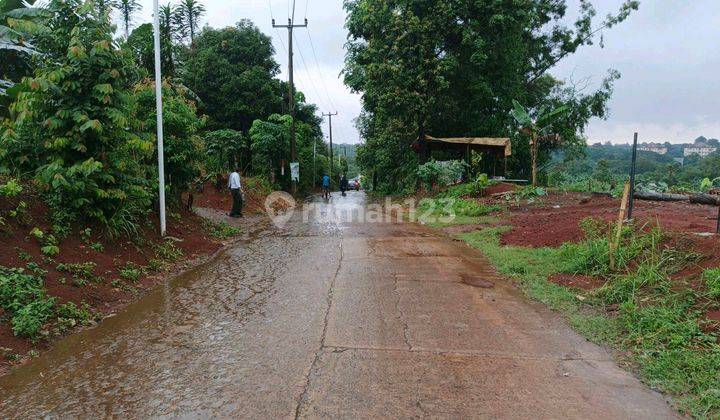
(333, 319)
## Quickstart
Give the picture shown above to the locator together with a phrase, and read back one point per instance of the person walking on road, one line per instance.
(237, 193)
(326, 186)
(343, 184)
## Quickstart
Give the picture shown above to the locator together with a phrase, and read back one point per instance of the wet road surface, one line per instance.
(332, 319)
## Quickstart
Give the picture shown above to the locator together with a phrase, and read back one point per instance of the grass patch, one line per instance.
(223, 230)
(639, 310)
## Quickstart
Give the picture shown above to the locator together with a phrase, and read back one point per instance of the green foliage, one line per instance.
(435, 173)
(181, 127)
(37, 233)
(167, 251)
(223, 230)
(656, 322)
(453, 68)
(141, 45)
(10, 189)
(23, 296)
(50, 249)
(189, 13)
(131, 272)
(74, 124)
(127, 10)
(70, 315)
(712, 282)
(82, 273)
(224, 149)
(232, 71)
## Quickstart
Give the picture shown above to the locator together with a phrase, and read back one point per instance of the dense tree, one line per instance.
(232, 71)
(225, 149)
(74, 122)
(142, 44)
(452, 68)
(184, 149)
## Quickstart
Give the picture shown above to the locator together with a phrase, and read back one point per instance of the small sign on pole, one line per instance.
(295, 171)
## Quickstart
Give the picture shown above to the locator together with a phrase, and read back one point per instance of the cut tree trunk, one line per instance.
(710, 199)
(651, 196)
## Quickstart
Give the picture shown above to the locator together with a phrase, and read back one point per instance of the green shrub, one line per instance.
(82, 273)
(23, 296)
(712, 282)
(74, 126)
(70, 315)
(223, 230)
(434, 173)
(131, 271)
(167, 251)
(10, 189)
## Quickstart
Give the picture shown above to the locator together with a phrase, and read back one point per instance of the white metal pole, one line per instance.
(158, 105)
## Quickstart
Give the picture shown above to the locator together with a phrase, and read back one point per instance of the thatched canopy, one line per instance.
(499, 145)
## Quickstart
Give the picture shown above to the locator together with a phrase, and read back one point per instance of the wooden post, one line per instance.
(615, 242)
(533, 152)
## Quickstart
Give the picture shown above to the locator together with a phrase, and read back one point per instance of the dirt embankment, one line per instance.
(114, 273)
(555, 219)
(212, 197)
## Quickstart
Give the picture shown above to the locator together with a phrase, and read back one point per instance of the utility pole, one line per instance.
(330, 115)
(291, 88)
(159, 112)
(314, 157)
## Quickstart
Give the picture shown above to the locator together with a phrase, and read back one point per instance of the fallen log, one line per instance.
(652, 196)
(713, 200)
(710, 199)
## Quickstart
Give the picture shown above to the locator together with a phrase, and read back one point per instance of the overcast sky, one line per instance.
(668, 53)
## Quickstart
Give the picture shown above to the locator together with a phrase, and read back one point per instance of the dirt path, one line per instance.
(332, 319)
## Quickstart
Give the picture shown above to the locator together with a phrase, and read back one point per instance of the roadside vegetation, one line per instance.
(654, 309)
(78, 157)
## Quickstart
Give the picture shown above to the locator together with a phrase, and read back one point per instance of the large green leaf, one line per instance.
(520, 115)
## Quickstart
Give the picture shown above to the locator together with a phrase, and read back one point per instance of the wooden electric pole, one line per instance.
(291, 89)
(330, 115)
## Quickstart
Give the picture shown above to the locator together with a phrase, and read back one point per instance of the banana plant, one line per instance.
(535, 128)
(18, 20)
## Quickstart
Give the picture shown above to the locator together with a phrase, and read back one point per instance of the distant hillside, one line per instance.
(349, 152)
(673, 168)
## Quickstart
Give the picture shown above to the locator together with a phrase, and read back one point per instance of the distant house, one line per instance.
(658, 148)
(700, 148)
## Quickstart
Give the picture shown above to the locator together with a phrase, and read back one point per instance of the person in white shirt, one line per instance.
(237, 193)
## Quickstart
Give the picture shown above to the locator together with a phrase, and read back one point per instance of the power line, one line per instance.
(317, 64)
(307, 71)
(271, 12)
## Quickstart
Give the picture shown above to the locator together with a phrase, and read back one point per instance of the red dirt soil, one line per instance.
(499, 188)
(556, 219)
(102, 297)
(211, 198)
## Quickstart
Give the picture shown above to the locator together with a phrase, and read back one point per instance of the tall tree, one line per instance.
(190, 12)
(453, 67)
(232, 71)
(142, 45)
(74, 124)
(127, 9)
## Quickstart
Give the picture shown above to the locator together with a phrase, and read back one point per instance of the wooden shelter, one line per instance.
(499, 147)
